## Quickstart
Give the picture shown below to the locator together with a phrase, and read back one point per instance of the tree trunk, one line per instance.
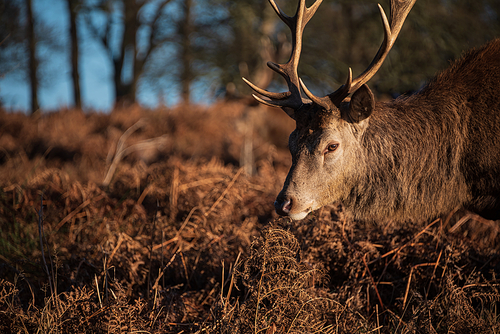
(75, 76)
(33, 61)
(125, 83)
(186, 29)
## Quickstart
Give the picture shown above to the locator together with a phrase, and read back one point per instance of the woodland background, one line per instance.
(160, 220)
(165, 52)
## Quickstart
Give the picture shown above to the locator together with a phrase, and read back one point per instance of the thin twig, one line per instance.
(98, 293)
(105, 261)
(177, 235)
(433, 274)
(408, 287)
(462, 221)
(373, 282)
(224, 192)
(40, 233)
(174, 194)
(409, 243)
(411, 273)
(121, 151)
(78, 209)
(231, 283)
(118, 244)
(150, 256)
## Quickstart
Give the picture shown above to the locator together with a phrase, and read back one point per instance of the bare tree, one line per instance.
(75, 74)
(350, 33)
(127, 54)
(22, 34)
(185, 30)
(12, 37)
(33, 61)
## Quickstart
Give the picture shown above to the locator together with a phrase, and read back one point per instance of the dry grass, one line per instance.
(183, 240)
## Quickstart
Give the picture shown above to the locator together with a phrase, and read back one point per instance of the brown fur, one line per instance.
(417, 157)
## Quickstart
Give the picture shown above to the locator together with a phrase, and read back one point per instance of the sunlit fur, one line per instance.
(415, 158)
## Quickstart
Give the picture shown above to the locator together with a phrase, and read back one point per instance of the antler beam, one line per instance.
(292, 98)
(399, 11)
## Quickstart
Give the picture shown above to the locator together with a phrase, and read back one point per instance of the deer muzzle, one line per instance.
(288, 206)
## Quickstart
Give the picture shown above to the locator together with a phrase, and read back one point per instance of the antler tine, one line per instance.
(399, 11)
(290, 21)
(336, 98)
(288, 71)
(271, 95)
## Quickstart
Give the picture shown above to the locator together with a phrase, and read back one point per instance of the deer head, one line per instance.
(325, 146)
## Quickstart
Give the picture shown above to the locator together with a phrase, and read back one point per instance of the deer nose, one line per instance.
(283, 208)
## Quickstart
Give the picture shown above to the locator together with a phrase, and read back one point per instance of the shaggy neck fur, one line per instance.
(432, 152)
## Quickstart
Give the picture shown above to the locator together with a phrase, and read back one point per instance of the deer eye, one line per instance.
(331, 147)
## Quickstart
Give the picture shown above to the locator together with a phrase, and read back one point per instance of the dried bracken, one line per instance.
(185, 241)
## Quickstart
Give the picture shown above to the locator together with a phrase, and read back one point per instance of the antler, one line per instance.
(288, 71)
(399, 11)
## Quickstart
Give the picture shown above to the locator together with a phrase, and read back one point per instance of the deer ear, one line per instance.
(361, 105)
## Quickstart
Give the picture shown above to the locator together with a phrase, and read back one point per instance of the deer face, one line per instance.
(325, 144)
(325, 155)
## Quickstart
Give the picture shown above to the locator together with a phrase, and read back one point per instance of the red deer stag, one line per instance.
(415, 158)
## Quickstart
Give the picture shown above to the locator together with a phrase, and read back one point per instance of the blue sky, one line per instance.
(56, 90)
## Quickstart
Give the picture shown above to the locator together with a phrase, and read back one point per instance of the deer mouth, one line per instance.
(291, 208)
(299, 215)
(302, 214)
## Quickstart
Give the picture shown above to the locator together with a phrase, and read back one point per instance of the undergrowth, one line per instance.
(184, 240)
